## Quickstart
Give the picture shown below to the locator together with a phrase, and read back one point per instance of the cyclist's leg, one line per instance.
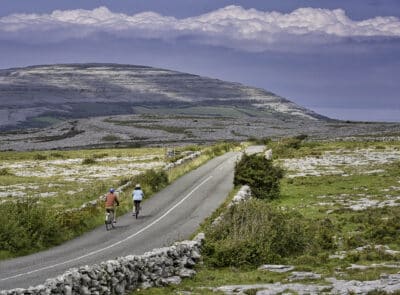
(137, 206)
(111, 212)
(107, 215)
(114, 214)
(108, 219)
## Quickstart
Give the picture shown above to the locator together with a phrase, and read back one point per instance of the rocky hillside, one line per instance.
(37, 96)
(109, 105)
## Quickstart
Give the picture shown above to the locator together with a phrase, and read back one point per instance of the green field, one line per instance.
(343, 198)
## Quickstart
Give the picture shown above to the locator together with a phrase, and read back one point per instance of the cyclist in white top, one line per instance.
(137, 196)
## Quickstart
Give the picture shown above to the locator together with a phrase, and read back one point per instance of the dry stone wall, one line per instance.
(181, 161)
(160, 267)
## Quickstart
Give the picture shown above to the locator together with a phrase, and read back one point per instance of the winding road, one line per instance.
(170, 215)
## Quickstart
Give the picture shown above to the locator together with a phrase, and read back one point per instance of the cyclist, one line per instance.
(137, 196)
(111, 200)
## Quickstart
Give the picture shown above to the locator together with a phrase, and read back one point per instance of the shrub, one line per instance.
(99, 156)
(260, 174)
(39, 157)
(27, 226)
(324, 234)
(220, 148)
(88, 161)
(375, 226)
(263, 140)
(287, 146)
(57, 155)
(292, 143)
(5, 172)
(253, 232)
(386, 230)
(152, 180)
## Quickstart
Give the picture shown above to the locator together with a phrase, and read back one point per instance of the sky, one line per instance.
(339, 58)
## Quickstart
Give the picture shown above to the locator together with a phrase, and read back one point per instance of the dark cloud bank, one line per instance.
(342, 68)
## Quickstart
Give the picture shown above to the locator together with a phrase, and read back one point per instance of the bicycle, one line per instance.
(137, 208)
(109, 220)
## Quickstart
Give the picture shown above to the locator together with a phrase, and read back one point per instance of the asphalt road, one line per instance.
(172, 214)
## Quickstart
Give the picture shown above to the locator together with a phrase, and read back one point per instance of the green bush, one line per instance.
(263, 140)
(375, 226)
(6, 172)
(253, 233)
(88, 161)
(287, 147)
(152, 180)
(260, 174)
(99, 156)
(386, 230)
(57, 155)
(324, 230)
(26, 226)
(220, 148)
(39, 157)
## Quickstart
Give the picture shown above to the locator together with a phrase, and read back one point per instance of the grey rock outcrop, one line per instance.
(387, 283)
(303, 275)
(273, 289)
(243, 194)
(276, 268)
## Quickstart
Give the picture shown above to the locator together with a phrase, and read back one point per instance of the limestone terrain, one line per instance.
(110, 105)
(86, 90)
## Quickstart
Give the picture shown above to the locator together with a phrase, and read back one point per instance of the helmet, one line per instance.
(111, 190)
(138, 185)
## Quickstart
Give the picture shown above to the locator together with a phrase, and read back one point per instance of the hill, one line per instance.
(96, 105)
(88, 90)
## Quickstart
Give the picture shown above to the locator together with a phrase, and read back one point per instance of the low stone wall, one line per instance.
(182, 160)
(160, 267)
(242, 195)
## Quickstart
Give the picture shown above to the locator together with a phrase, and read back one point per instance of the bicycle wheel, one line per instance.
(137, 210)
(112, 220)
(107, 220)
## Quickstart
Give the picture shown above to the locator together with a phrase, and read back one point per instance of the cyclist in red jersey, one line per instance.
(111, 200)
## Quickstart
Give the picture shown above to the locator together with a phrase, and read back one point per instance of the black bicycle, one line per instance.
(137, 208)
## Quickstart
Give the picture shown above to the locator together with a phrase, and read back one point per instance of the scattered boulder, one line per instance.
(276, 268)
(273, 289)
(303, 275)
(268, 154)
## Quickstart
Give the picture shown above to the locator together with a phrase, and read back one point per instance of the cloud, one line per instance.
(232, 26)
